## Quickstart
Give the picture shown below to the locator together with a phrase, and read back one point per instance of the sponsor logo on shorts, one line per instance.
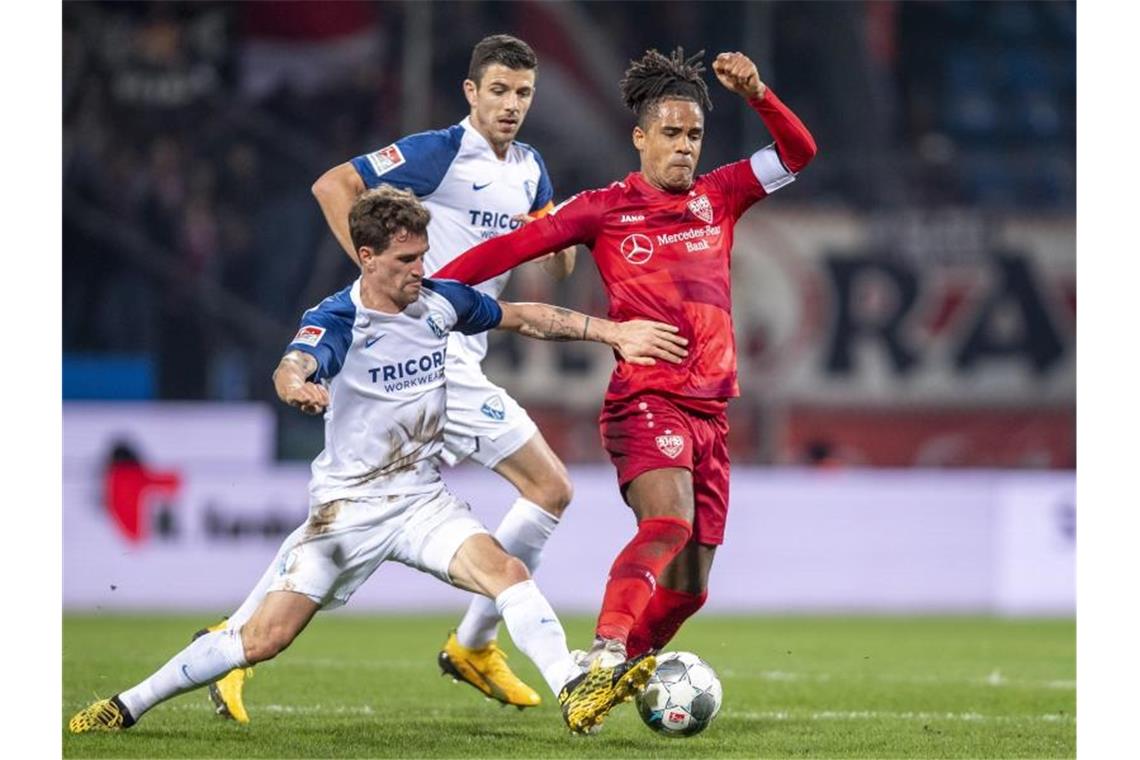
(701, 208)
(493, 408)
(309, 335)
(437, 324)
(385, 159)
(670, 445)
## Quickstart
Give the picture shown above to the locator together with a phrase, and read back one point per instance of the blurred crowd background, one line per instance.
(908, 301)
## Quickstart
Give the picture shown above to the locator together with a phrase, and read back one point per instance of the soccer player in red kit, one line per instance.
(662, 239)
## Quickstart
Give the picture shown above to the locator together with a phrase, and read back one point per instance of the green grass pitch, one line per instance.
(361, 686)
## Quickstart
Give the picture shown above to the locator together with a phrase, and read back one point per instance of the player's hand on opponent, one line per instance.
(738, 73)
(310, 398)
(558, 264)
(641, 341)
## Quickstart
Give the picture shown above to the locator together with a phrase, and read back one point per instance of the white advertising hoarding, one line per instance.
(797, 541)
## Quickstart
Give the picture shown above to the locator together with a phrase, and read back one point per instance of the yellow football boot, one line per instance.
(104, 715)
(587, 699)
(486, 669)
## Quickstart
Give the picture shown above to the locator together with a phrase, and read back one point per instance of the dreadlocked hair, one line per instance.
(653, 78)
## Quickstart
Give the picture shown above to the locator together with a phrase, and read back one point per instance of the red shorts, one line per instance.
(651, 432)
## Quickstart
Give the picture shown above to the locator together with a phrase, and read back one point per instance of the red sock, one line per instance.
(663, 616)
(633, 576)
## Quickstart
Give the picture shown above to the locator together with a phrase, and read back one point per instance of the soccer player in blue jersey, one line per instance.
(372, 358)
(478, 181)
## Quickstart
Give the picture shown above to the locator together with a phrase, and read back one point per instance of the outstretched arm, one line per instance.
(336, 190)
(290, 380)
(638, 341)
(557, 264)
(794, 142)
(493, 257)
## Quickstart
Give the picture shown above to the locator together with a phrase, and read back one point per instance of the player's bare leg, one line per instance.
(682, 588)
(471, 653)
(280, 617)
(483, 566)
(227, 694)
(662, 500)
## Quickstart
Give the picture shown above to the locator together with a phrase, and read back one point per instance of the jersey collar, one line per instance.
(481, 142)
(638, 181)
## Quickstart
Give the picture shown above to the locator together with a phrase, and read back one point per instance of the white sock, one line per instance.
(523, 533)
(535, 629)
(208, 657)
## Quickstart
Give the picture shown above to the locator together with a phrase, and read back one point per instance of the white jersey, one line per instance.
(471, 193)
(387, 394)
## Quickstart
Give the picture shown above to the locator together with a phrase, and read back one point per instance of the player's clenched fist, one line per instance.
(310, 398)
(738, 73)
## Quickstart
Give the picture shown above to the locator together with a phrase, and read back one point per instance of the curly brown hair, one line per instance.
(380, 213)
(655, 77)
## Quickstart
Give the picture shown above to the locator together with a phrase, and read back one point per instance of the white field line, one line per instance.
(769, 715)
(198, 706)
(995, 678)
(971, 717)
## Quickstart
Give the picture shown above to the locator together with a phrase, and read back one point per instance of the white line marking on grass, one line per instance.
(972, 717)
(291, 709)
(995, 678)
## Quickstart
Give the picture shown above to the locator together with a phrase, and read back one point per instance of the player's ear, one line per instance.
(366, 254)
(639, 138)
(470, 91)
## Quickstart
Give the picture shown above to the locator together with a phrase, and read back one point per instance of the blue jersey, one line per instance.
(387, 396)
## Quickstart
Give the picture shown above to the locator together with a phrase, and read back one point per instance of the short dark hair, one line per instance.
(653, 78)
(500, 48)
(379, 214)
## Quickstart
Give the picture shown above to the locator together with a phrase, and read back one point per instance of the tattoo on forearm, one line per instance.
(561, 325)
(298, 364)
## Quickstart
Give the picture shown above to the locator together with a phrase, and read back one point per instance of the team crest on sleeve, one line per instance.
(531, 188)
(309, 335)
(437, 325)
(702, 208)
(670, 445)
(386, 159)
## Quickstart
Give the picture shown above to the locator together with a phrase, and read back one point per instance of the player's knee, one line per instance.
(513, 570)
(553, 493)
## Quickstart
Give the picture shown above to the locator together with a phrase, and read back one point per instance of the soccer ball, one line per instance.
(682, 697)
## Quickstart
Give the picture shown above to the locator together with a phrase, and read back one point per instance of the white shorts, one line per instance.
(344, 541)
(483, 421)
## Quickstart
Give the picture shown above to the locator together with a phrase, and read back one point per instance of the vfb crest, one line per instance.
(670, 445)
(702, 208)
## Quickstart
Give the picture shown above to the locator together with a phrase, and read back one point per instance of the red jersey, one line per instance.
(663, 256)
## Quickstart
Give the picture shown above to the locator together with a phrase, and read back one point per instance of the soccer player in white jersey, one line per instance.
(372, 358)
(478, 181)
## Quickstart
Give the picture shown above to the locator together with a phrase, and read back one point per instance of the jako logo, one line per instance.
(130, 490)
